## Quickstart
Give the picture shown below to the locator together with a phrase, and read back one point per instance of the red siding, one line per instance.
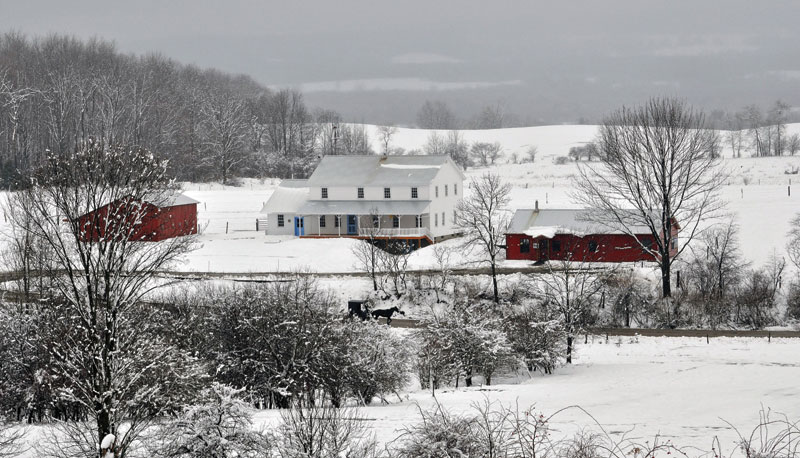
(157, 223)
(610, 247)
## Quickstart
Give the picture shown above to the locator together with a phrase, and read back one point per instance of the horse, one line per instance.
(387, 313)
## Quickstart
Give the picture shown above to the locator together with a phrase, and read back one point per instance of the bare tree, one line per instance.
(530, 153)
(393, 261)
(486, 153)
(436, 115)
(656, 171)
(434, 145)
(367, 251)
(793, 244)
(735, 135)
(483, 218)
(793, 144)
(225, 130)
(456, 147)
(385, 133)
(88, 208)
(568, 291)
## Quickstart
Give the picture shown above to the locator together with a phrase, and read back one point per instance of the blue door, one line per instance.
(352, 227)
(299, 228)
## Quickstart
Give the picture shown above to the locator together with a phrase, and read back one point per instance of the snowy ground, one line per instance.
(756, 193)
(679, 388)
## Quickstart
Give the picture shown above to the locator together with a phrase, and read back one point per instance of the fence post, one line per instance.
(226, 227)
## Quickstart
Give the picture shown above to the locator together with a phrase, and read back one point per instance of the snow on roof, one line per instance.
(549, 222)
(365, 207)
(377, 170)
(175, 199)
(288, 197)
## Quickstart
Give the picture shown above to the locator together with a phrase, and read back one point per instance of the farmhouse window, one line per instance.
(418, 221)
(376, 221)
(525, 246)
(337, 221)
(443, 223)
(413, 193)
(395, 221)
(445, 190)
(324, 193)
(360, 193)
(592, 246)
(455, 189)
(436, 189)
(280, 220)
(387, 193)
(436, 219)
(322, 221)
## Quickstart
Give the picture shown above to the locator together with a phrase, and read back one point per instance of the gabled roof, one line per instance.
(548, 222)
(174, 199)
(378, 170)
(288, 197)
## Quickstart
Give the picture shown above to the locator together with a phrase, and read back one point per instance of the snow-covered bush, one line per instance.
(538, 341)
(441, 434)
(220, 427)
(363, 359)
(463, 341)
(323, 431)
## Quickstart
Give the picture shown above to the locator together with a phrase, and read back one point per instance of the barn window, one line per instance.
(324, 193)
(322, 221)
(413, 193)
(674, 244)
(525, 246)
(592, 246)
(337, 221)
(387, 193)
(395, 221)
(280, 220)
(556, 245)
(647, 242)
(360, 193)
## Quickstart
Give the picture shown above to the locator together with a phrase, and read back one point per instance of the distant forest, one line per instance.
(58, 91)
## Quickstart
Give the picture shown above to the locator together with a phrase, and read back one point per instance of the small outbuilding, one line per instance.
(173, 215)
(572, 234)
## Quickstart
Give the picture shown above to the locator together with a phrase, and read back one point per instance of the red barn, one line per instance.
(561, 234)
(174, 216)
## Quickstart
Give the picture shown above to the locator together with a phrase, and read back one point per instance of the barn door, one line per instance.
(544, 249)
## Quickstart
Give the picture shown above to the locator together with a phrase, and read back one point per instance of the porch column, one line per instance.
(339, 218)
(319, 229)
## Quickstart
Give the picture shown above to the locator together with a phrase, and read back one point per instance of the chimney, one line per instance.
(536, 206)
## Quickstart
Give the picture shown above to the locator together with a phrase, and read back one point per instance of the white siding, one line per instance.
(450, 176)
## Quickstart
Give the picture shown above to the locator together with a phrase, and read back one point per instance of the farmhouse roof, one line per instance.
(364, 207)
(548, 222)
(288, 197)
(378, 170)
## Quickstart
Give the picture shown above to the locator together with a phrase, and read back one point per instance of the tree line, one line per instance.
(57, 91)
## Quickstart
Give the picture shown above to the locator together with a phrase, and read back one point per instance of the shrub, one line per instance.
(220, 427)
(561, 160)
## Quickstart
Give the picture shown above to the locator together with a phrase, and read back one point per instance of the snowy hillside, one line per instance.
(757, 193)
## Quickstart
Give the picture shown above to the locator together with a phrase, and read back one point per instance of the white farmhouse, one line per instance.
(389, 197)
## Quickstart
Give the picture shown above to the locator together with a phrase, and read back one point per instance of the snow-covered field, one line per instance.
(756, 193)
(680, 388)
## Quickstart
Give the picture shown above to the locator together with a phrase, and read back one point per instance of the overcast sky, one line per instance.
(379, 60)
